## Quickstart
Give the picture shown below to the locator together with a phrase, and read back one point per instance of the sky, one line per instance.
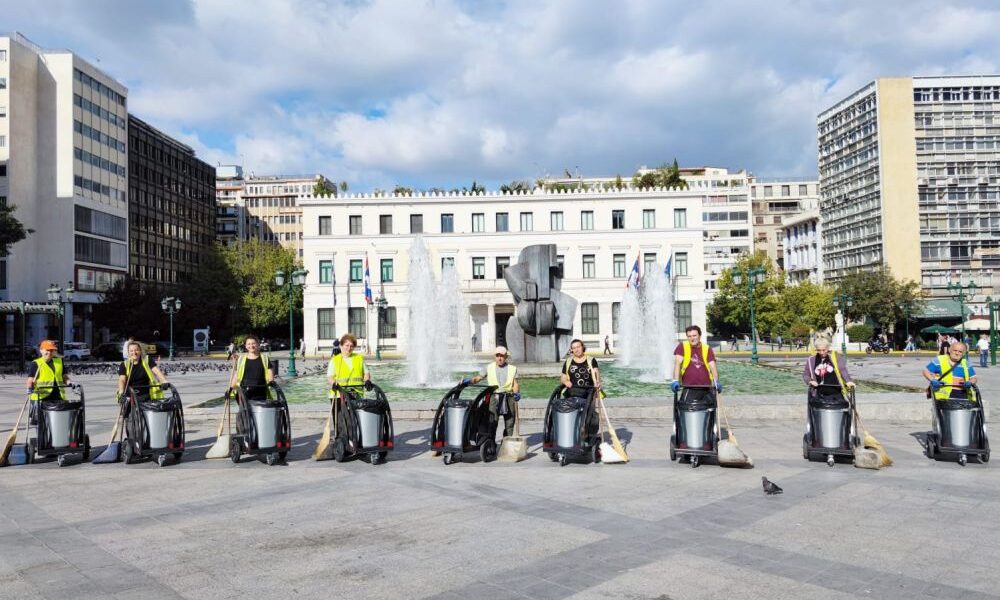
(441, 93)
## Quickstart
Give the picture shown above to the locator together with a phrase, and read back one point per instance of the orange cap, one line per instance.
(48, 345)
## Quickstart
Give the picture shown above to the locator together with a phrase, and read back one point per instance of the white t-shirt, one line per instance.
(983, 344)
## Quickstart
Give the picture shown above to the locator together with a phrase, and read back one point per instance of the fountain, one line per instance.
(437, 320)
(647, 330)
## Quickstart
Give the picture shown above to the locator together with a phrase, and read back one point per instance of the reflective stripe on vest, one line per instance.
(948, 381)
(48, 377)
(349, 375)
(491, 377)
(155, 392)
(242, 363)
(686, 360)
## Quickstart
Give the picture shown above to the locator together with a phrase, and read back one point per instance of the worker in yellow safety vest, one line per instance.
(950, 375)
(503, 376)
(254, 372)
(47, 378)
(140, 373)
(346, 369)
(694, 365)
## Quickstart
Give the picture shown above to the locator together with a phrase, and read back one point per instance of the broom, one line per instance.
(513, 448)
(220, 449)
(613, 452)
(730, 454)
(323, 447)
(13, 434)
(870, 454)
(110, 454)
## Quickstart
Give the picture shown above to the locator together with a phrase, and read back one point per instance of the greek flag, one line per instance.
(368, 281)
(634, 274)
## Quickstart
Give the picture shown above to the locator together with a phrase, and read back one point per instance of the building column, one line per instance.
(490, 333)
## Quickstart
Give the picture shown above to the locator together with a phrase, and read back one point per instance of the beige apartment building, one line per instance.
(775, 201)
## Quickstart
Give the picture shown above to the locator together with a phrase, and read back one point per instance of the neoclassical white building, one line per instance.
(599, 235)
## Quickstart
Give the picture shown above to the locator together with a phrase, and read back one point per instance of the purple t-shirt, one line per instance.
(697, 371)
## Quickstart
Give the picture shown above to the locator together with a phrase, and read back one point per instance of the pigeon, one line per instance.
(769, 487)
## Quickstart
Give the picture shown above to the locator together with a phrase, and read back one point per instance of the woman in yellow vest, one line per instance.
(346, 369)
(140, 373)
(46, 378)
(950, 376)
(254, 371)
(503, 376)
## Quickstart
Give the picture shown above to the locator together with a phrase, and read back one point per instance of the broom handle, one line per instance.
(21, 414)
(725, 415)
(517, 420)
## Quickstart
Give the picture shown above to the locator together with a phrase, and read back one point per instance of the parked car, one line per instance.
(108, 351)
(76, 351)
(12, 352)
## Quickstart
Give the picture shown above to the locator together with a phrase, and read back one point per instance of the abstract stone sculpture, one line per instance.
(543, 325)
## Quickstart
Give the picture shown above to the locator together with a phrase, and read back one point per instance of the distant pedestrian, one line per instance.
(230, 349)
(943, 344)
(984, 349)
(302, 347)
(607, 344)
(777, 338)
(910, 346)
(734, 343)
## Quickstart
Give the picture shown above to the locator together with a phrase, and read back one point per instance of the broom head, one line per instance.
(220, 449)
(730, 454)
(513, 449)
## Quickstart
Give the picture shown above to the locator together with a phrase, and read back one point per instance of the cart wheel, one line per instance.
(271, 458)
(553, 457)
(382, 457)
(31, 451)
(829, 460)
(86, 447)
(562, 460)
(61, 460)
(695, 460)
(805, 446)
(282, 455)
(127, 451)
(488, 451)
(177, 456)
(447, 458)
(985, 457)
(885, 351)
(235, 451)
(931, 448)
(339, 451)
(962, 459)
(673, 448)
(161, 459)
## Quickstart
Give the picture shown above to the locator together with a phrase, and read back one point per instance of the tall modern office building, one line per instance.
(909, 179)
(171, 207)
(64, 164)
(775, 201)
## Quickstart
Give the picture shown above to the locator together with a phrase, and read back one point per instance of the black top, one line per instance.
(579, 373)
(33, 368)
(139, 380)
(253, 373)
(825, 374)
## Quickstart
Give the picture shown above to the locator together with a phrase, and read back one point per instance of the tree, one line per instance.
(343, 186)
(401, 190)
(324, 188)
(729, 312)
(212, 298)
(130, 308)
(665, 175)
(646, 180)
(880, 297)
(12, 231)
(516, 186)
(253, 265)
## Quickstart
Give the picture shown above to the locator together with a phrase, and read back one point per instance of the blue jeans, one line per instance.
(983, 356)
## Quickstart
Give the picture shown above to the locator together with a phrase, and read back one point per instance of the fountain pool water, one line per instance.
(647, 331)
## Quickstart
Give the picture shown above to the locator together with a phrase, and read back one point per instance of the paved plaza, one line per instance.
(415, 528)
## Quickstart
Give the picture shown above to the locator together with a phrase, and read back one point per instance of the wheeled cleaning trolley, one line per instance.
(959, 429)
(464, 425)
(60, 428)
(570, 431)
(263, 426)
(154, 429)
(363, 424)
(696, 428)
(831, 425)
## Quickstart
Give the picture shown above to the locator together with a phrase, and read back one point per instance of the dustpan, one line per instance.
(513, 448)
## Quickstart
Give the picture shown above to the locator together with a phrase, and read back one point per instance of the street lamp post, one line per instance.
(994, 307)
(171, 305)
(752, 275)
(958, 291)
(842, 301)
(60, 297)
(380, 303)
(295, 280)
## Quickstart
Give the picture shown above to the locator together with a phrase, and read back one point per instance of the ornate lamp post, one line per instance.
(60, 297)
(379, 303)
(296, 280)
(842, 301)
(171, 305)
(752, 276)
(994, 307)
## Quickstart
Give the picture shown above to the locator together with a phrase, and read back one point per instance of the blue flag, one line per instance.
(368, 283)
(634, 274)
(666, 270)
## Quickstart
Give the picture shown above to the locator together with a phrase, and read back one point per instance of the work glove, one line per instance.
(675, 386)
(718, 386)
(466, 381)
(967, 384)
(936, 384)
(517, 396)
(368, 386)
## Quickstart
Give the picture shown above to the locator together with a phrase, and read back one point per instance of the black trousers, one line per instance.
(508, 414)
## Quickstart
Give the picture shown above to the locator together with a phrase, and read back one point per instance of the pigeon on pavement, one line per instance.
(769, 487)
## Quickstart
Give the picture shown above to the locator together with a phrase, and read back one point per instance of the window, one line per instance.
(447, 223)
(385, 224)
(786, 190)
(803, 190)
(387, 326)
(767, 191)
(357, 270)
(478, 267)
(326, 225)
(503, 222)
(3, 170)
(777, 220)
(649, 218)
(3, 56)
(325, 325)
(588, 266)
(3, 83)
(618, 219)
(556, 220)
(3, 141)
(561, 262)
(3, 111)
(680, 218)
(586, 220)
(527, 221)
(447, 262)
(618, 265)
(386, 270)
(416, 223)
(680, 267)
(355, 224)
(589, 318)
(326, 271)
(683, 314)
(356, 322)
(502, 263)
(648, 262)
(616, 312)
(478, 222)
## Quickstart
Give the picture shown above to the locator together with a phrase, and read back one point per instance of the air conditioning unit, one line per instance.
(983, 180)
(921, 181)
(952, 181)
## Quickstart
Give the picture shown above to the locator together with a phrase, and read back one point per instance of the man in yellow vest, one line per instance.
(503, 376)
(46, 378)
(950, 376)
(140, 373)
(254, 371)
(694, 364)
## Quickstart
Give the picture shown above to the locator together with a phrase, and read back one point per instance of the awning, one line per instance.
(977, 324)
(941, 308)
